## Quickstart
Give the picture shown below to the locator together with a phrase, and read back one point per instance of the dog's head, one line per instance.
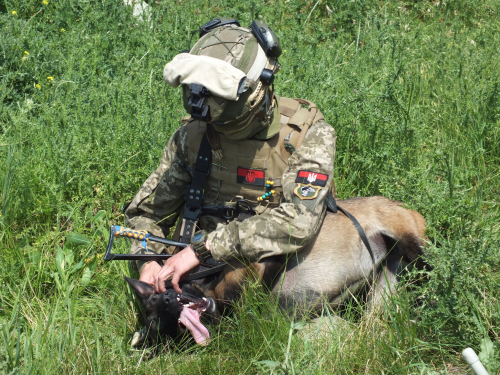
(169, 314)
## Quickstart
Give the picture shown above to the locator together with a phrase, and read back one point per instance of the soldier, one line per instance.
(251, 169)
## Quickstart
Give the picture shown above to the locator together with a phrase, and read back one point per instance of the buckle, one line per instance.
(192, 213)
(199, 110)
(228, 212)
(244, 207)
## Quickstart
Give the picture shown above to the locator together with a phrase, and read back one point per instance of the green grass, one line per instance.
(413, 91)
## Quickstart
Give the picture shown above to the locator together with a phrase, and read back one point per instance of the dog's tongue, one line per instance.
(191, 319)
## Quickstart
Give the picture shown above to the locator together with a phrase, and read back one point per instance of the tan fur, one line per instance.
(336, 263)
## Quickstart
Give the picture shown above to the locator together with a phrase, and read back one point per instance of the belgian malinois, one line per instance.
(335, 262)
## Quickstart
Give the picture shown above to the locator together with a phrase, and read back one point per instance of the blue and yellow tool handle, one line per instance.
(143, 235)
(131, 233)
(118, 231)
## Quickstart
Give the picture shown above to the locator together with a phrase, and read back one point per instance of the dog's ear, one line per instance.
(142, 290)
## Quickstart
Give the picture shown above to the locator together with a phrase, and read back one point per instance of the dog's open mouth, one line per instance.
(194, 303)
(192, 308)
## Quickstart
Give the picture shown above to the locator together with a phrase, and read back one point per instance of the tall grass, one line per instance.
(413, 91)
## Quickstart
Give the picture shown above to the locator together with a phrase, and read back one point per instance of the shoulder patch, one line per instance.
(312, 178)
(306, 191)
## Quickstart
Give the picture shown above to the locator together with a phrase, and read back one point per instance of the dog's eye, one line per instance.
(154, 298)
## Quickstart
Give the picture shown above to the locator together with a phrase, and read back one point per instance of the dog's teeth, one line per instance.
(178, 299)
(204, 299)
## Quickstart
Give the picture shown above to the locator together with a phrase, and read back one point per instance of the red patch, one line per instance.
(250, 177)
(313, 178)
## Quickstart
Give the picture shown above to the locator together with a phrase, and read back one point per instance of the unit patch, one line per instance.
(306, 191)
(250, 177)
(311, 178)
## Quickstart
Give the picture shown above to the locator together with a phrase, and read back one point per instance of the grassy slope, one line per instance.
(412, 89)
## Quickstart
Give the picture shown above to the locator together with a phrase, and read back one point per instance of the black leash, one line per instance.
(334, 207)
(197, 275)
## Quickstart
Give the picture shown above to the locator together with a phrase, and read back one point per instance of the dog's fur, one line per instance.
(326, 271)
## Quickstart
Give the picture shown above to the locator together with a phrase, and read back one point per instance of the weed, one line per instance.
(413, 91)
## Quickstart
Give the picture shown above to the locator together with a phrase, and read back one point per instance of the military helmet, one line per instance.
(230, 81)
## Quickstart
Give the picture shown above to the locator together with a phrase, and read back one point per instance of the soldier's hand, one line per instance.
(180, 264)
(149, 272)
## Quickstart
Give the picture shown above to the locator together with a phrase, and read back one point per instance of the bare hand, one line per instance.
(149, 272)
(180, 264)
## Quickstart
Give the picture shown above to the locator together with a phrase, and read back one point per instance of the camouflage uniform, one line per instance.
(287, 228)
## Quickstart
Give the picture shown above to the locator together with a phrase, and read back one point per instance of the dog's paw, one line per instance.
(138, 338)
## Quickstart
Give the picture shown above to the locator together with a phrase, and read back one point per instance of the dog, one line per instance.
(326, 272)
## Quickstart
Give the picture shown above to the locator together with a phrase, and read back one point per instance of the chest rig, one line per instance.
(244, 168)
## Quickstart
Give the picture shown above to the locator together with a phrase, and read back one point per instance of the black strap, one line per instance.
(241, 210)
(194, 192)
(333, 206)
(194, 202)
(205, 273)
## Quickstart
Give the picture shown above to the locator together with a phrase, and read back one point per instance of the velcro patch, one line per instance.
(312, 178)
(250, 177)
(306, 191)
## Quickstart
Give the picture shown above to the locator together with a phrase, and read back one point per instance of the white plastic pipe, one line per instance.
(472, 359)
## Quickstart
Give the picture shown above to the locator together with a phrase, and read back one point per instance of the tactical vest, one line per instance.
(245, 166)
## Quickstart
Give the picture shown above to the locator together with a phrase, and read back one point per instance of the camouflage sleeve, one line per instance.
(294, 223)
(158, 202)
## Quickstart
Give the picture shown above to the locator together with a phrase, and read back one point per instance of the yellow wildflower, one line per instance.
(63, 30)
(45, 2)
(14, 12)
(284, 50)
(23, 58)
(50, 78)
(38, 86)
(26, 53)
